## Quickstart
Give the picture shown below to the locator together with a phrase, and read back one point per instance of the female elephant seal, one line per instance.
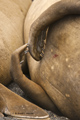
(55, 78)
(12, 14)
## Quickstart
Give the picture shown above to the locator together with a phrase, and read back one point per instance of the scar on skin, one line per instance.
(55, 56)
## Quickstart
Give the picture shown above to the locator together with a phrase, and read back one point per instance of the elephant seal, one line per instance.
(12, 14)
(55, 79)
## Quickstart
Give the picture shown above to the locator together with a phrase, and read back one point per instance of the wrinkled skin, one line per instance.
(55, 79)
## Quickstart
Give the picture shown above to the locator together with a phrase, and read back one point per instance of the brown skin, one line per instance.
(56, 78)
(12, 14)
(59, 82)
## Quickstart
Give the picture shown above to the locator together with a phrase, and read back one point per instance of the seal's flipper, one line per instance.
(12, 104)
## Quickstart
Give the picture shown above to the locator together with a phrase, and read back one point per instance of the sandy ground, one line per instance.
(15, 88)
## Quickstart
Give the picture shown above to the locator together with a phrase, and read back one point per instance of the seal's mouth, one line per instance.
(37, 47)
(41, 43)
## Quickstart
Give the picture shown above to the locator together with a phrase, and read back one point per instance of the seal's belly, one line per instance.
(60, 66)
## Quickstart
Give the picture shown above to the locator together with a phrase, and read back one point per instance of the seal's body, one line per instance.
(58, 71)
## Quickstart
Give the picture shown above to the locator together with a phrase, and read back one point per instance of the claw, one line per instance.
(21, 61)
(26, 51)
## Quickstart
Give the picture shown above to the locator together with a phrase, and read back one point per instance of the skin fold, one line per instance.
(55, 79)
